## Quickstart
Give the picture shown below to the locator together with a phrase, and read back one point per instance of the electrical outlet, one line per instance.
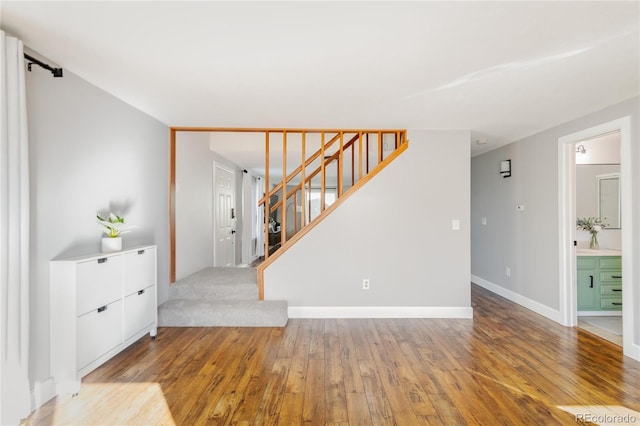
(507, 271)
(365, 284)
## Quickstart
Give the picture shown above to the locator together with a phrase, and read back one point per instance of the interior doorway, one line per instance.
(567, 227)
(224, 217)
(599, 236)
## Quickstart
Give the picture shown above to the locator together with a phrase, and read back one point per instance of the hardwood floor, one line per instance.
(506, 366)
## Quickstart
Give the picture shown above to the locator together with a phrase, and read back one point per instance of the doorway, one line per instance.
(567, 227)
(599, 236)
(224, 217)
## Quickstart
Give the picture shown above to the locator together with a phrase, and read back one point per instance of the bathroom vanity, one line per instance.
(599, 280)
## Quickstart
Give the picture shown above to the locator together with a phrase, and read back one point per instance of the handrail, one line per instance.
(402, 146)
(308, 179)
(361, 137)
(297, 170)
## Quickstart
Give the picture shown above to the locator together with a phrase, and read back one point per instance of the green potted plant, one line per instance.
(113, 226)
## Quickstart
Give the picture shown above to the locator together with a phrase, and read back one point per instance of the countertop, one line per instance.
(598, 252)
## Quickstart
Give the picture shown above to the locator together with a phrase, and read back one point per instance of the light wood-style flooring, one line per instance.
(506, 366)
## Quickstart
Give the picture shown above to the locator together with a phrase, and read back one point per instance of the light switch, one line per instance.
(483, 221)
(455, 224)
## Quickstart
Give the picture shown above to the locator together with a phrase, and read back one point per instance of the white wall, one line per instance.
(396, 231)
(528, 241)
(88, 151)
(194, 202)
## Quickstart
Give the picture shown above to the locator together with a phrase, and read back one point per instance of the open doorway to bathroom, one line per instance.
(599, 236)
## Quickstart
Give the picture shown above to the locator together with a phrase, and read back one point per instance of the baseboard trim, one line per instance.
(632, 351)
(42, 393)
(521, 300)
(379, 312)
(599, 314)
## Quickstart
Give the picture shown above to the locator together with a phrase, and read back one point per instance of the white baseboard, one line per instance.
(379, 312)
(599, 314)
(530, 304)
(42, 393)
(632, 351)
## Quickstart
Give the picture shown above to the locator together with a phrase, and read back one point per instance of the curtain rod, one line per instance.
(57, 72)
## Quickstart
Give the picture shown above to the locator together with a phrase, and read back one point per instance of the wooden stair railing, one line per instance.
(302, 180)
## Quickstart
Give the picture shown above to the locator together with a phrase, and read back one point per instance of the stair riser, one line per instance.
(230, 292)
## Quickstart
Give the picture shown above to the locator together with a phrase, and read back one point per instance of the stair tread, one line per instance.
(220, 277)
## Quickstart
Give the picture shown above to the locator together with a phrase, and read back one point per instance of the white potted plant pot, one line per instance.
(110, 245)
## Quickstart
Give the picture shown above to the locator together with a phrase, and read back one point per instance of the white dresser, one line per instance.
(100, 304)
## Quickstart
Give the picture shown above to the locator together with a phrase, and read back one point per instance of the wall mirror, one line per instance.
(598, 192)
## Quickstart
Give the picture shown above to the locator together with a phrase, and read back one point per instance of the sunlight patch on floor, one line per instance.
(603, 414)
(114, 403)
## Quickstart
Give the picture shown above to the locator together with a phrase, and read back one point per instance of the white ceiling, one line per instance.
(504, 70)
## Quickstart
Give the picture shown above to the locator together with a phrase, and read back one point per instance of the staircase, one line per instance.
(344, 162)
(220, 297)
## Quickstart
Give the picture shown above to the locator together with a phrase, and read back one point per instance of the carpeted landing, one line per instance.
(220, 297)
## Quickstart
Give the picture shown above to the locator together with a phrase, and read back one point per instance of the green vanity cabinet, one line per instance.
(599, 283)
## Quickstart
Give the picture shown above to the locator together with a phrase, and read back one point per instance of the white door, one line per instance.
(224, 220)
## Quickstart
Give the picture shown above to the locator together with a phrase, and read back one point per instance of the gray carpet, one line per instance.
(220, 297)
(612, 324)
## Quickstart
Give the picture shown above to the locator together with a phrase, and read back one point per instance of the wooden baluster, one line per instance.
(359, 155)
(353, 165)
(302, 182)
(322, 174)
(379, 147)
(283, 222)
(367, 154)
(340, 166)
(267, 196)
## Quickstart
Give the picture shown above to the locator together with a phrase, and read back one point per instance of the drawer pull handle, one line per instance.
(616, 303)
(140, 251)
(616, 276)
(140, 292)
(590, 281)
(103, 260)
(102, 308)
(616, 289)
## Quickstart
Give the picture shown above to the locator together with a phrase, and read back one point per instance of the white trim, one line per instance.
(42, 393)
(379, 312)
(599, 314)
(521, 300)
(566, 217)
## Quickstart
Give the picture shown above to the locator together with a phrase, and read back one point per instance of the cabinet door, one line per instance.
(588, 296)
(139, 311)
(99, 282)
(98, 333)
(139, 270)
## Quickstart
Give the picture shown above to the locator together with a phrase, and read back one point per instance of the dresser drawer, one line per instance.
(99, 282)
(587, 262)
(610, 290)
(140, 311)
(139, 270)
(610, 276)
(614, 262)
(613, 303)
(98, 333)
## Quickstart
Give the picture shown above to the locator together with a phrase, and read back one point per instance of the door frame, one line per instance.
(218, 165)
(567, 228)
